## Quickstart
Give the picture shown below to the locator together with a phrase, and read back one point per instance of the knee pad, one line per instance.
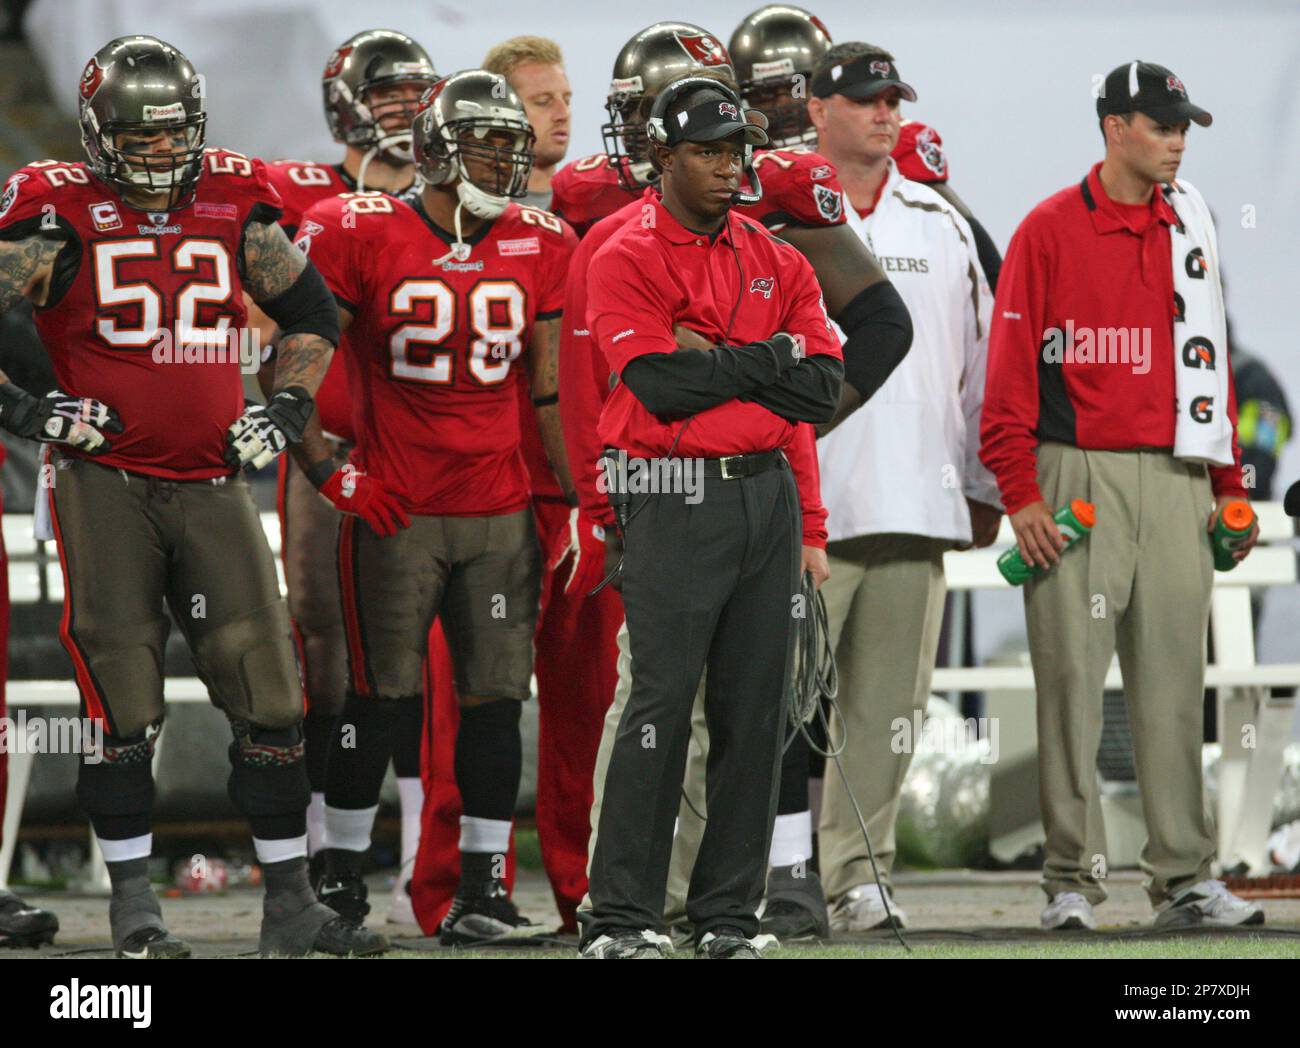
(250, 667)
(267, 774)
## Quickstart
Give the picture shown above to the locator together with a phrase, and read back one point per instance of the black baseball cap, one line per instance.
(1145, 87)
(860, 77)
(713, 116)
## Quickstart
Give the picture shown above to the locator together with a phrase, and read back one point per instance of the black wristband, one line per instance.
(319, 472)
(291, 409)
(17, 409)
(546, 401)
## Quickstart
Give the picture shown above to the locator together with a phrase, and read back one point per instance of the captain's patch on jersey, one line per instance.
(830, 204)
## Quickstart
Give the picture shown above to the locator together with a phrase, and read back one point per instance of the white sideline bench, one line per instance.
(1248, 777)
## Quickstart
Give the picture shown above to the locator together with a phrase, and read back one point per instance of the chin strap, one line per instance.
(370, 154)
(460, 250)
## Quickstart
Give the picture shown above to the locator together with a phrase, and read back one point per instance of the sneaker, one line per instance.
(483, 917)
(862, 909)
(1068, 911)
(1207, 904)
(152, 944)
(794, 907)
(728, 944)
(24, 926)
(629, 945)
(400, 909)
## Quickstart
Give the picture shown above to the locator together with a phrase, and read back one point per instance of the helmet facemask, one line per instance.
(788, 123)
(492, 173)
(626, 141)
(393, 145)
(133, 170)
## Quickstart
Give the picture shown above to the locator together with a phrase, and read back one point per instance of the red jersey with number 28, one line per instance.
(437, 345)
(132, 289)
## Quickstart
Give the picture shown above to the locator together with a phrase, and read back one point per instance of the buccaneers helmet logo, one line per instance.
(703, 49)
(91, 79)
(334, 66)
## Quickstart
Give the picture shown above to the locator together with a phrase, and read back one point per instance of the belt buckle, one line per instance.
(739, 460)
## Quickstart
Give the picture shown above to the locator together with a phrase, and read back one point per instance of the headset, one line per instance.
(657, 131)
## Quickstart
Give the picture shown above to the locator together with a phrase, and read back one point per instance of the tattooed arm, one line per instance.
(281, 280)
(543, 369)
(26, 267)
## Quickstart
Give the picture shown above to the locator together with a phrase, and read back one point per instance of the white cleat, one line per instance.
(1207, 904)
(862, 909)
(1068, 911)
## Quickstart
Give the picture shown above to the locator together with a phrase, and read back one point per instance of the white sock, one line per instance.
(316, 823)
(411, 792)
(484, 835)
(349, 828)
(131, 848)
(280, 850)
(791, 839)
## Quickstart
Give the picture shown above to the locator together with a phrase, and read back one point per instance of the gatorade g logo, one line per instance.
(1180, 309)
(1199, 352)
(1202, 409)
(1195, 264)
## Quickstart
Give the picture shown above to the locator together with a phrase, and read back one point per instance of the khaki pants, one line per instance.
(884, 604)
(1139, 586)
(690, 816)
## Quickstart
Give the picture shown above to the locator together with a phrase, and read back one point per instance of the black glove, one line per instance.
(264, 431)
(58, 418)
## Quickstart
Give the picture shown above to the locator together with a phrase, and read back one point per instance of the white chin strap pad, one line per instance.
(479, 203)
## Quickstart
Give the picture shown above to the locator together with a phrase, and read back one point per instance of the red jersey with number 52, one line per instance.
(437, 344)
(145, 307)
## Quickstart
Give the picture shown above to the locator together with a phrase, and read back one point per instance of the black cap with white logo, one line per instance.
(708, 121)
(861, 77)
(1145, 87)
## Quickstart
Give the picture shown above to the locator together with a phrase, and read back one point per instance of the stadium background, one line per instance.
(1008, 85)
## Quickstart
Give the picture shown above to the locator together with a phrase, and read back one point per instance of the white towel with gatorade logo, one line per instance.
(1203, 432)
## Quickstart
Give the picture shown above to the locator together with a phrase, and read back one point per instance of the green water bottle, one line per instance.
(1075, 521)
(1235, 522)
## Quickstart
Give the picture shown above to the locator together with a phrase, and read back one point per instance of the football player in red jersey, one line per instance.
(774, 50)
(138, 262)
(440, 296)
(370, 87)
(574, 662)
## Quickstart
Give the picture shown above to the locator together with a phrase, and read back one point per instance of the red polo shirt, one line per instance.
(743, 286)
(1096, 271)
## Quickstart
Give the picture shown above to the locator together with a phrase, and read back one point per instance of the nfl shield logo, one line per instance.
(830, 204)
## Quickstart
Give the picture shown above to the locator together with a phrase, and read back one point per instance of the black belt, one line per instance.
(733, 467)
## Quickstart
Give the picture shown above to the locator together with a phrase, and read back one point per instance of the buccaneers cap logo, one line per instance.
(1172, 83)
(882, 68)
(727, 109)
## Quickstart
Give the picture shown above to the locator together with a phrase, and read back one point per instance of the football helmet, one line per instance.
(451, 131)
(654, 57)
(774, 50)
(376, 58)
(140, 85)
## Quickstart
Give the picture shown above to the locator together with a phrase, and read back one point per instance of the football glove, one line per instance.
(58, 418)
(583, 541)
(263, 431)
(379, 505)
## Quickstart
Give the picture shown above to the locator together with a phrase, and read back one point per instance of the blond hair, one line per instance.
(509, 55)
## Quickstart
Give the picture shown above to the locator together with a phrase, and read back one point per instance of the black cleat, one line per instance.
(153, 944)
(23, 926)
(727, 944)
(342, 938)
(485, 917)
(342, 888)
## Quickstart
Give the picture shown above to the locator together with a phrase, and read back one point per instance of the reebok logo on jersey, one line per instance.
(821, 172)
(1009, 315)
(227, 211)
(622, 335)
(762, 286)
(522, 246)
(104, 216)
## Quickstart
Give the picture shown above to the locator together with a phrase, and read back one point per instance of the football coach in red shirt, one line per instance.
(1108, 381)
(711, 560)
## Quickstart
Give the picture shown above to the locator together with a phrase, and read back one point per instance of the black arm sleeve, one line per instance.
(878, 334)
(990, 259)
(690, 380)
(306, 308)
(807, 393)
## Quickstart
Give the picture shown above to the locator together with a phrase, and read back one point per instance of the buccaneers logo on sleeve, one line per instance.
(830, 204)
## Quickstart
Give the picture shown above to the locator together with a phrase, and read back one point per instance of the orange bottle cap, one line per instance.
(1084, 512)
(1238, 516)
